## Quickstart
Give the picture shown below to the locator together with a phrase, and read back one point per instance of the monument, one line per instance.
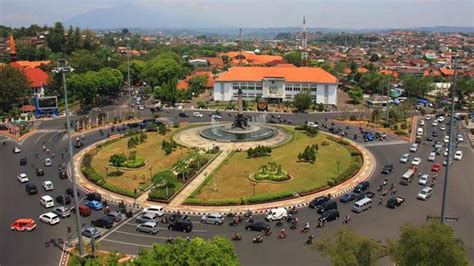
(240, 121)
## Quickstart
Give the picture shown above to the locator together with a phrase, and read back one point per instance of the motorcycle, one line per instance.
(279, 223)
(282, 235)
(248, 214)
(257, 239)
(304, 230)
(293, 211)
(236, 237)
(293, 226)
(165, 220)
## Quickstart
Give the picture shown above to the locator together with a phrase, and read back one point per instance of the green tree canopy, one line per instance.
(356, 94)
(465, 89)
(349, 248)
(293, 58)
(430, 244)
(163, 68)
(167, 92)
(165, 176)
(302, 101)
(216, 251)
(373, 83)
(55, 38)
(83, 61)
(14, 87)
(416, 86)
(136, 68)
(197, 84)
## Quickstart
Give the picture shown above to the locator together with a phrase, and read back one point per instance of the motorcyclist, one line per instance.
(258, 239)
(283, 233)
(348, 219)
(309, 241)
(236, 236)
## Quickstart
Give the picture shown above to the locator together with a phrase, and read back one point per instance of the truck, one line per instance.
(407, 177)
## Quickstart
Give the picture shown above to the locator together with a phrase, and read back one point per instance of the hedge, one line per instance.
(139, 162)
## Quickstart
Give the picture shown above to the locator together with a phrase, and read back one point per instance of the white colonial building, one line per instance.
(276, 84)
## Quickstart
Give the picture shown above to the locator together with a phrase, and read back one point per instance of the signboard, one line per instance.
(50, 102)
(262, 105)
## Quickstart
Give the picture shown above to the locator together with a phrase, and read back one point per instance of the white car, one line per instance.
(155, 209)
(458, 155)
(425, 193)
(23, 178)
(47, 162)
(442, 127)
(141, 107)
(459, 138)
(445, 162)
(404, 158)
(413, 147)
(432, 156)
(16, 150)
(48, 185)
(445, 152)
(214, 116)
(49, 218)
(435, 123)
(423, 180)
(47, 201)
(441, 119)
(197, 114)
(446, 139)
(416, 161)
(427, 117)
(422, 122)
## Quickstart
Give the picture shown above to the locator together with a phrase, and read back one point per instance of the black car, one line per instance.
(429, 138)
(104, 222)
(395, 202)
(63, 200)
(39, 172)
(62, 175)
(258, 226)
(362, 186)
(318, 201)
(367, 194)
(181, 225)
(23, 161)
(434, 134)
(329, 215)
(31, 189)
(183, 115)
(387, 169)
(328, 205)
(94, 196)
(70, 192)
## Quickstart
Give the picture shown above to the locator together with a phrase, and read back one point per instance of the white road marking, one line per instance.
(116, 228)
(142, 235)
(398, 142)
(126, 243)
(41, 136)
(51, 138)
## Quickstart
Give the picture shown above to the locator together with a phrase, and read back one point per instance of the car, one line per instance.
(62, 211)
(258, 226)
(22, 178)
(441, 119)
(16, 149)
(437, 151)
(31, 189)
(432, 156)
(84, 210)
(212, 218)
(395, 202)
(197, 114)
(434, 134)
(436, 167)
(141, 107)
(423, 180)
(70, 192)
(458, 155)
(388, 168)
(445, 152)
(182, 114)
(156, 209)
(277, 214)
(94, 196)
(416, 161)
(91, 232)
(63, 199)
(413, 147)
(446, 139)
(349, 196)
(48, 185)
(459, 138)
(117, 216)
(39, 172)
(147, 217)
(437, 144)
(49, 218)
(442, 128)
(368, 194)
(435, 123)
(181, 225)
(445, 162)
(103, 222)
(404, 158)
(428, 117)
(329, 215)
(95, 205)
(317, 201)
(368, 136)
(47, 201)
(216, 116)
(23, 224)
(380, 135)
(428, 138)
(425, 193)
(23, 161)
(361, 187)
(148, 227)
(62, 174)
(48, 162)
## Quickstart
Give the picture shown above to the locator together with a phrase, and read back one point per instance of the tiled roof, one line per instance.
(29, 64)
(251, 58)
(37, 77)
(182, 85)
(290, 74)
(446, 71)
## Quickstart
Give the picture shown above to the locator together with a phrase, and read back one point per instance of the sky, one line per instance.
(353, 14)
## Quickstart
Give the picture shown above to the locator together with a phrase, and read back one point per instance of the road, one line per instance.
(42, 247)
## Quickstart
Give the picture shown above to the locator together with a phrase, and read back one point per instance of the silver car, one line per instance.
(62, 212)
(213, 218)
(147, 217)
(117, 216)
(148, 227)
(91, 232)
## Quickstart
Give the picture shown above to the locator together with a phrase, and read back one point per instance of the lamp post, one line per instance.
(63, 69)
(254, 184)
(106, 172)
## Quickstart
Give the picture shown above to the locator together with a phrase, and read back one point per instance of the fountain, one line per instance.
(242, 129)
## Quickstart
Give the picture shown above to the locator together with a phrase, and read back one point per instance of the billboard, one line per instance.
(49, 102)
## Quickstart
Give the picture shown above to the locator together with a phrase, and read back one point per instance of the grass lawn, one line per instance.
(231, 178)
(150, 150)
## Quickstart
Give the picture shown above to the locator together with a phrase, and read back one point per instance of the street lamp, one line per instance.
(63, 69)
(106, 172)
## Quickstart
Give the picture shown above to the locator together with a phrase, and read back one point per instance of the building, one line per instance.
(184, 83)
(276, 84)
(247, 58)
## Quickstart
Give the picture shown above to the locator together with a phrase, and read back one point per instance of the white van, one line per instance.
(419, 131)
(276, 214)
(47, 201)
(362, 205)
(155, 209)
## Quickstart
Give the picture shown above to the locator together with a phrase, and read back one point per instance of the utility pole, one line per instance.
(62, 68)
(128, 84)
(388, 97)
(449, 160)
(240, 47)
(304, 45)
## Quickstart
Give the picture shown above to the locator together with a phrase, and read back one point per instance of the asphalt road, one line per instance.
(42, 246)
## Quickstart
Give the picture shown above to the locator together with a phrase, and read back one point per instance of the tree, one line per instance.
(165, 176)
(136, 68)
(416, 86)
(167, 92)
(374, 57)
(431, 244)
(356, 94)
(197, 84)
(71, 42)
(117, 159)
(14, 87)
(464, 89)
(293, 58)
(162, 68)
(302, 101)
(350, 248)
(83, 61)
(215, 251)
(55, 38)
(132, 143)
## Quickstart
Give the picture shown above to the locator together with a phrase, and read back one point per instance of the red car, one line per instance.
(84, 211)
(23, 225)
(436, 167)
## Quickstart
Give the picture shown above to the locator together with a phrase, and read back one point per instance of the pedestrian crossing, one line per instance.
(384, 143)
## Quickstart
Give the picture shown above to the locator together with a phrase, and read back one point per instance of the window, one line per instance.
(251, 86)
(243, 85)
(297, 87)
(305, 86)
(289, 87)
(314, 87)
(235, 86)
(258, 86)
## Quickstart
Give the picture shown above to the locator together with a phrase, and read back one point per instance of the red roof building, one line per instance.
(38, 79)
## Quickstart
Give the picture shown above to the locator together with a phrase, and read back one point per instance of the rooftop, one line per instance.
(290, 74)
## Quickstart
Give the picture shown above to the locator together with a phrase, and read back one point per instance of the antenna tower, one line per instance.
(304, 45)
(240, 47)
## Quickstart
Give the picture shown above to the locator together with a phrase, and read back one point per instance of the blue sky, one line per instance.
(260, 13)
